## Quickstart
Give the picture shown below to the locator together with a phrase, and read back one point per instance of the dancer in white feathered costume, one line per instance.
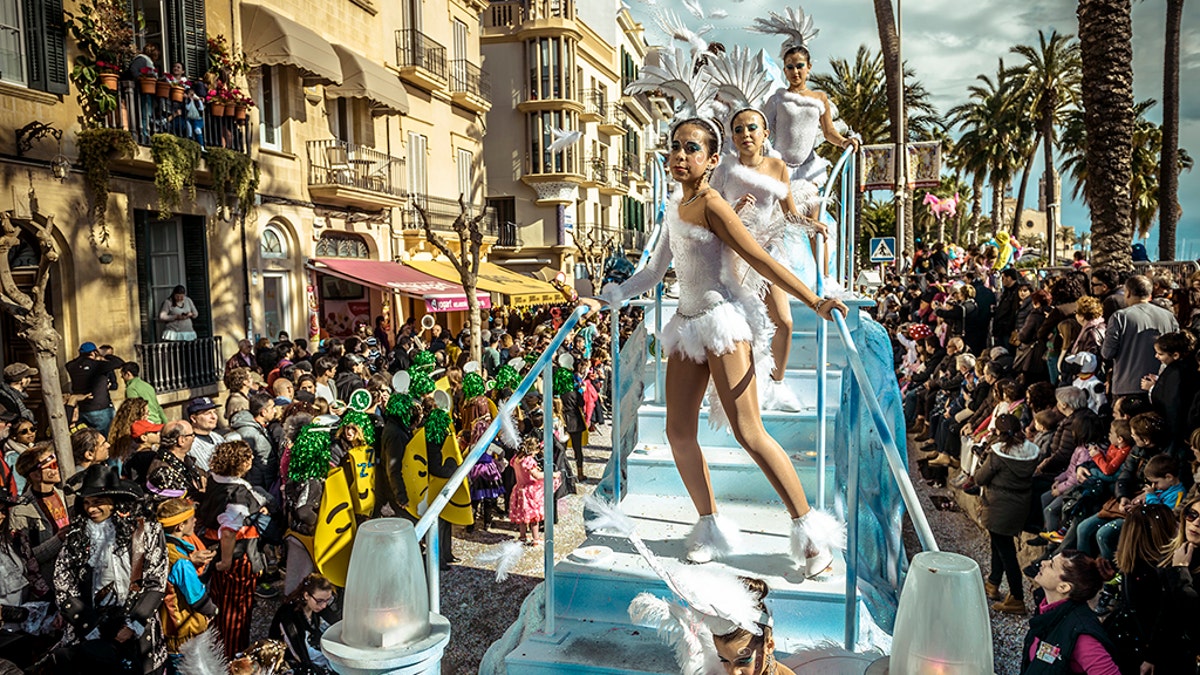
(799, 117)
(711, 333)
(758, 187)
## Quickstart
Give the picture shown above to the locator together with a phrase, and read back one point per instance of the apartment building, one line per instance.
(560, 66)
(361, 109)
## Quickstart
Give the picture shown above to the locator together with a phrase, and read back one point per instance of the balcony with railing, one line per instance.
(614, 120)
(443, 212)
(469, 86)
(347, 174)
(174, 366)
(145, 114)
(632, 162)
(596, 172)
(422, 60)
(618, 181)
(509, 235)
(513, 15)
(633, 241)
(594, 105)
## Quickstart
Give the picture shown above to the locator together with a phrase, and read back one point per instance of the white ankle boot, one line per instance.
(777, 395)
(712, 537)
(815, 537)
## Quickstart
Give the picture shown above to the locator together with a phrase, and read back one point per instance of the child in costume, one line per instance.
(526, 504)
(716, 327)
(485, 479)
(187, 607)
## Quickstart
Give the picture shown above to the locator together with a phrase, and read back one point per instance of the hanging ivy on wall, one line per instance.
(233, 173)
(175, 162)
(98, 147)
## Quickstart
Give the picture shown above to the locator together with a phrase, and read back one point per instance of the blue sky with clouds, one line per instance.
(949, 42)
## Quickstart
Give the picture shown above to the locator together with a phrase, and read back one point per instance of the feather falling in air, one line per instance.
(506, 556)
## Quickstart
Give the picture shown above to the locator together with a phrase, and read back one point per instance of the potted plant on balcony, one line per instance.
(178, 87)
(103, 33)
(148, 80)
(242, 104)
(107, 75)
(218, 100)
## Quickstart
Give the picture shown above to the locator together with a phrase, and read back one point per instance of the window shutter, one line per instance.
(195, 266)
(45, 45)
(141, 246)
(55, 43)
(189, 39)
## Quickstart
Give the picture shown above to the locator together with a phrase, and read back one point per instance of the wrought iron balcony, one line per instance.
(512, 13)
(172, 366)
(509, 235)
(597, 174)
(594, 105)
(443, 212)
(631, 162)
(467, 78)
(422, 60)
(354, 175)
(633, 241)
(614, 119)
(147, 114)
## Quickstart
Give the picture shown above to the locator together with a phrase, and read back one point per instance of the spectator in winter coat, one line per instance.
(1004, 477)
(17, 377)
(1106, 286)
(251, 425)
(1004, 323)
(1129, 341)
(1174, 387)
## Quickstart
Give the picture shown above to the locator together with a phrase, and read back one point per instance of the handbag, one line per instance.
(1112, 509)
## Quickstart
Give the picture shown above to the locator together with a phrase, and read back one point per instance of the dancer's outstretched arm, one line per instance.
(644, 279)
(724, 223)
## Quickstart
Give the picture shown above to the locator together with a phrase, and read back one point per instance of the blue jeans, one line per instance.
(1099, 536)
(99, 420)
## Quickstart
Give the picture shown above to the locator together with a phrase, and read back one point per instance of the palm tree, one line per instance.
(991, 122)
(1050, 78)
(1144, 189)
(1106, 53)
(969, 156)
(1168, 180)
(889, 42)
(859, 91)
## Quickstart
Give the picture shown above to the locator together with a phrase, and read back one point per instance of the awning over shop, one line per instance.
(363, 78)
(390, 276)
(521, 290)
(269, 38)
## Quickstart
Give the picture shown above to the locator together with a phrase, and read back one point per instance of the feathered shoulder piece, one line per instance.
(683, 77)
(794, 25)
(741, 77)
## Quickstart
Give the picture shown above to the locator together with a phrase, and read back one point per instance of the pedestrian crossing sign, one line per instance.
(883, 249)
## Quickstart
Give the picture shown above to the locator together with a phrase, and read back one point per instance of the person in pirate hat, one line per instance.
(110, 580)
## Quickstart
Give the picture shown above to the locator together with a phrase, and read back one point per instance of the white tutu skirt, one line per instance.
(716, 330)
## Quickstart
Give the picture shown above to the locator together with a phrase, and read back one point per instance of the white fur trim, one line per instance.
(792, 98)
(755, 179)
(820, 531)
(714, 536)
(718, 330)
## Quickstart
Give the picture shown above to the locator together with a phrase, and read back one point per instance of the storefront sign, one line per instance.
(455, 303)
(530, 299)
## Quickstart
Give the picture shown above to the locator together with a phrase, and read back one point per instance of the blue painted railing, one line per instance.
(426, 526)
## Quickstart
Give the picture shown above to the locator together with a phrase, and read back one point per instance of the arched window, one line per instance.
(272, 243)
(342, 245)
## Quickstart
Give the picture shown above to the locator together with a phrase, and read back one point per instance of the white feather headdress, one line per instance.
(741, 77)
(708, 600)
(681, 76)
(794, 25)
(670, 23)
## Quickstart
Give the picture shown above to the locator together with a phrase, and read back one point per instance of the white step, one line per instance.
(651, 470)
(804, 610)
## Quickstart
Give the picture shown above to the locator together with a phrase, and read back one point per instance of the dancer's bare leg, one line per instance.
(686, 382)
(780, 314)
(733, 376)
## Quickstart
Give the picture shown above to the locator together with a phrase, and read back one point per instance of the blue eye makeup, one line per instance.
(741, 128)
(691, 147)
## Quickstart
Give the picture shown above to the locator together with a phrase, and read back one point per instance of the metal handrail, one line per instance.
(426, 525)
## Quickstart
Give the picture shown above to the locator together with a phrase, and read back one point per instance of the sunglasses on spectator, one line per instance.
(1191, 515)
(50, 462)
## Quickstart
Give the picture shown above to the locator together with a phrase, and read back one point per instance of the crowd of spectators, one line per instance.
(1066, 402)
(171, 527)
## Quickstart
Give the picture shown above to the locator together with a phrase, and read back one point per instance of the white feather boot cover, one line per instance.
(815, 537)
(713, 537)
